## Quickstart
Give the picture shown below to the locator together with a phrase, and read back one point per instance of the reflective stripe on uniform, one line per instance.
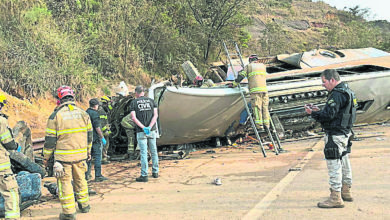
(72, 130)
(15, 213)
(83, 200)
(51, 131)
(82, 192)
(4, 166)
(103, 116)
(243, 73)
(256, 73)
(71, 196)
(5, 135)
(47, 151)
(77, 151)
(68, 205)
(104, 128)
(258, 89)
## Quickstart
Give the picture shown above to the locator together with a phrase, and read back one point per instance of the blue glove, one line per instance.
(19, 148)
(147, 130)
(104, 142)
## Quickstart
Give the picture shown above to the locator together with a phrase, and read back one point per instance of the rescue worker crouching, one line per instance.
(69, 138)
(8, 186)
(257, 78)
(104, 110)
(129, 126)
(336, 118)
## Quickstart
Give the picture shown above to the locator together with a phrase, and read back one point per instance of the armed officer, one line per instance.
(336, 119)
(257, 76)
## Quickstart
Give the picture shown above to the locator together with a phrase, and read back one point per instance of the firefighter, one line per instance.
(257, 75)
(129, 126)
(8, 185)
(104, 110)
(69, 138)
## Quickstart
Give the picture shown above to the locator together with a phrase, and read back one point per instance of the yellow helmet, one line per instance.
(105, 99)
(3, 100)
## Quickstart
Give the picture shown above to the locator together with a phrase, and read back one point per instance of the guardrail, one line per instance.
(38, 143)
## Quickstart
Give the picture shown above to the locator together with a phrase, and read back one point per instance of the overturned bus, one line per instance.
(190, 115)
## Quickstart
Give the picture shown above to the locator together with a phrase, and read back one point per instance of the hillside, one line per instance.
(92, 45)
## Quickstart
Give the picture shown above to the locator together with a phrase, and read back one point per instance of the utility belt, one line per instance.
(332, 151)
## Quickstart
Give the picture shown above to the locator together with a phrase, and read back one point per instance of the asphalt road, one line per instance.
(253, 187)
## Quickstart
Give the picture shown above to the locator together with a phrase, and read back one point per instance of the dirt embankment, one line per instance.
(34, 112)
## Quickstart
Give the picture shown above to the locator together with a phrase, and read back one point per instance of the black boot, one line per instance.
(141, 179)
(67, 216)
(85, 209)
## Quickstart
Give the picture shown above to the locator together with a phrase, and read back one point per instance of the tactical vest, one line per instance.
(257, 77)
(349, 115)
(346, 116)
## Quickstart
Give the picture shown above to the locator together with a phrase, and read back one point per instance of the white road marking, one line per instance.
(262, 206)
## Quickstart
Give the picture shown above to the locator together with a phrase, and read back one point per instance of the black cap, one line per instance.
(93, 102)
(139, 89)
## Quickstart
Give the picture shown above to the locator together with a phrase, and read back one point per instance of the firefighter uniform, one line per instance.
(103, 115)
(8, 185)
(257, 75)
(129, 126)
(69, 138)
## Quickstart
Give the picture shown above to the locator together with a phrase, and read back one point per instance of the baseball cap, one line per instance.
(93, 102)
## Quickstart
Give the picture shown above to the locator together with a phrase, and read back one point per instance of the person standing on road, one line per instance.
(98, 142)
(336, 119)
(104, 109)
(69, 138)
(257, 79)
(8, 186)
(144, 113)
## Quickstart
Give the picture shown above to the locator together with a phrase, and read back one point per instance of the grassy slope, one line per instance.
(36, 111)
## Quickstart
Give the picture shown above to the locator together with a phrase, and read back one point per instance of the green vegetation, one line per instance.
(84, 43)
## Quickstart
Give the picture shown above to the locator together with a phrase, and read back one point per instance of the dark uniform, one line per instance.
(337, 119)
(96, 145)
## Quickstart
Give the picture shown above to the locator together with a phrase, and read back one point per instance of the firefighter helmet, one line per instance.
(198, 81)
(105, 99)
(3, 100)
(253, 57)
(64, 91)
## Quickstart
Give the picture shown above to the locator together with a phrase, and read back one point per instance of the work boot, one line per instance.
(260, 129)
(88, 176)
(100, 179)
(85, 209)
(67, 216)
(155, 175)
(142, 179)
(346, 193)
(334, 201)
(105, 161)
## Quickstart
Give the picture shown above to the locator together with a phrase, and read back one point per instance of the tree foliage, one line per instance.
(83, 43)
